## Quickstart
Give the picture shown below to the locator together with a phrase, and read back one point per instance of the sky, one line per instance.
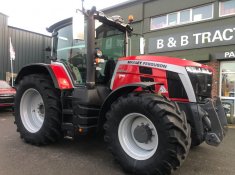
(37, 15)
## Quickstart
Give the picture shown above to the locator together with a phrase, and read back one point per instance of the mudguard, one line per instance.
(36, 69)
(57, 72)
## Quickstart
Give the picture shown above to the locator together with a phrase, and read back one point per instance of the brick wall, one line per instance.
(215, 86)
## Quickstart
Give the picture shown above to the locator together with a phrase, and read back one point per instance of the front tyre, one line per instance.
(147, 134)
(37, 110)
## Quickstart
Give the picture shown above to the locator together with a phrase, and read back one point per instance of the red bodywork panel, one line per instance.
(64, 82)
(128, 71)
(132, 75)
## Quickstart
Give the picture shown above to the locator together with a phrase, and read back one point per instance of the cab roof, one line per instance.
(112, 21)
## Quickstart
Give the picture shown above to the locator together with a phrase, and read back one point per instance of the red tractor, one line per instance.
(152, 109)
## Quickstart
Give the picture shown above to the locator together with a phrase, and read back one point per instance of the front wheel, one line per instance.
(37, 110)
(147, 134)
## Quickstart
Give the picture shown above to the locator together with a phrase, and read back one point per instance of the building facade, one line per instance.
(202, 31)
(29, 47)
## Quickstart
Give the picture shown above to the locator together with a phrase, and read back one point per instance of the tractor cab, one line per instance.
(89, 46)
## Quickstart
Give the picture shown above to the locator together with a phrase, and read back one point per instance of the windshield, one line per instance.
(4, 85)
(72, 51)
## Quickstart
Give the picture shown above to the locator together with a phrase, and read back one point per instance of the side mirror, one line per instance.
(78, 26)
(142, 45)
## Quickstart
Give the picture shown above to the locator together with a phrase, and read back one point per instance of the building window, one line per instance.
(182, 17)
(185, 16)
(159, 22)
(172, 19)
(202, 13)
(227, 8)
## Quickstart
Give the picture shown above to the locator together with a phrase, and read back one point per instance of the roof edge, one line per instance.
(1, 13)
(129, 2)
(25, 30)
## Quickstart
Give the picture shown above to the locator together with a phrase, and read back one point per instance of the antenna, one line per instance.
(83, 6)
(83, 9)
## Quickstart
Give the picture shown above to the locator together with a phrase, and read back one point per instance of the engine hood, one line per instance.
(148, 68)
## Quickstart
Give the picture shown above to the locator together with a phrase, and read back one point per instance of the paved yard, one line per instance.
(90, 157)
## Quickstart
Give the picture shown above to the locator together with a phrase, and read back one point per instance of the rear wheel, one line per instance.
(147, 134)
(37, 110)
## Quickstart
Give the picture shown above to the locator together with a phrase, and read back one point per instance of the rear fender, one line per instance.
(57, 72)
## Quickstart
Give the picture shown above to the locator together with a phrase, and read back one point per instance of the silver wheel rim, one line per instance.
(135, 149)
(32, 110)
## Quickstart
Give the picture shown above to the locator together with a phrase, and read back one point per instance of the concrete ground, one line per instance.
(90, 157)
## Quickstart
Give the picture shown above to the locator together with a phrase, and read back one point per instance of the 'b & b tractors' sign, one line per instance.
(194, 39)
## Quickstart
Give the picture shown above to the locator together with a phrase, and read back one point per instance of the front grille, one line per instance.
(202, 85)
(175, 86)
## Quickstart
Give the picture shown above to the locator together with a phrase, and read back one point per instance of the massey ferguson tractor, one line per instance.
(151, 109)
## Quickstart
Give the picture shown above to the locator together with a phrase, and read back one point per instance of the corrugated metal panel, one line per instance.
(29, 47)
(3, 42)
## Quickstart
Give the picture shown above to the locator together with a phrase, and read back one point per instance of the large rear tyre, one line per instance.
(37, 110)
(147, 134)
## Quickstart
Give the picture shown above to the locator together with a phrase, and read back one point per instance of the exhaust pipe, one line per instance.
(90, 71)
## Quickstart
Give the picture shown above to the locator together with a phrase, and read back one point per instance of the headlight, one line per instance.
(198, 70)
